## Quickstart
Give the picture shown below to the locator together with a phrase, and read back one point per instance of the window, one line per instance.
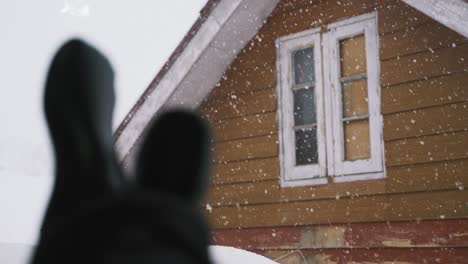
(329, 103)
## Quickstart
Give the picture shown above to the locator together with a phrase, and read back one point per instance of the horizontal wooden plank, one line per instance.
(259, 52)
(244, 104)
(271, 192)
(372, 256)
(421, 177)
(243, 127)
(428, 36)
(242, 80)
(399, 207)
(450, 146)
(428, 176)
(413, 234)
(427, 121)
(417, 234)
(396, 15)
(259, 238)
(428, 205)
(424, 65)
(290, 5)
(425, 93)
(315, 14)
(246, 171)
(245, 149)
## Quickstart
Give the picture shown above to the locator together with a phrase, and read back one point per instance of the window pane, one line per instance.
(353, 56)
(304, 106)
(355, 98)
(357, 141)
(303, 63)
(306, 146)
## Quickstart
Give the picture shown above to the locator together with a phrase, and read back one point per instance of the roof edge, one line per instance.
(197, 64)
(451, 13)
(204, 14)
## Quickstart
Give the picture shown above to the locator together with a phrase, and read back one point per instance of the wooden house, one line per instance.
(341, 126)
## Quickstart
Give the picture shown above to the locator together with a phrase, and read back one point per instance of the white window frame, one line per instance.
(329, 104)
(358, 169)
(305, 174)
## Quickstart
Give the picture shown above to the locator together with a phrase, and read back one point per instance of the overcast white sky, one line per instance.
(137, 36)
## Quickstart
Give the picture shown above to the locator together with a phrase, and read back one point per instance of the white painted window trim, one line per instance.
(328, 103)
(292, 175)
(360, 169)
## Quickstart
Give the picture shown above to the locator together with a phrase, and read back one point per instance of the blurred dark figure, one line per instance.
(96, 215)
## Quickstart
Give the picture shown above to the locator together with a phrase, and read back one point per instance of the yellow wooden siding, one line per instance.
(389, 207)
(424, 72)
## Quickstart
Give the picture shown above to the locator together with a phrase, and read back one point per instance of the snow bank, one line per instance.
(230, 255)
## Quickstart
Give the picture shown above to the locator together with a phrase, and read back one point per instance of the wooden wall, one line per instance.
(424, 85)
(435, 241)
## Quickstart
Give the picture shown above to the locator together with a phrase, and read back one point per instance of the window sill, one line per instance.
(306, 182)
(337, 179)
(359, 177)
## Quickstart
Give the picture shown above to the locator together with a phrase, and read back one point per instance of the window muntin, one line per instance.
(329, 114)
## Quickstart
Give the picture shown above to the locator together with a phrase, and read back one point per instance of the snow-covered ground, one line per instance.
(230, 255)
